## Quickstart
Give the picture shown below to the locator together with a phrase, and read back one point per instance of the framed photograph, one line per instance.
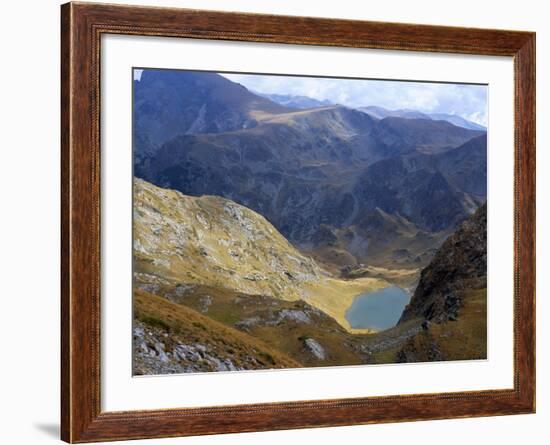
(275, 222)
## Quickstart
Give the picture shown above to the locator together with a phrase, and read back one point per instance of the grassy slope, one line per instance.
(235, 309)
(186, 326)
(463, 339)
(405, 278)
(213, 241)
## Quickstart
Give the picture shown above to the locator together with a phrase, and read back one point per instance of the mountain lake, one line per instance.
(378, 310)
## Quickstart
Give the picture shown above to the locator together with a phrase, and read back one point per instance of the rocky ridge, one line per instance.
(461, 258)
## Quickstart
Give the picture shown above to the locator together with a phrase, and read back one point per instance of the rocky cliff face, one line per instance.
(461, 261)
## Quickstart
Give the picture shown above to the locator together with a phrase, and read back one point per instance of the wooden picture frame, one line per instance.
(82, 25)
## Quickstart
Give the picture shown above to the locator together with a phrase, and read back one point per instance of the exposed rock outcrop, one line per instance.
(169, 338)
(462, 257)
(315, 348)
(450, 301)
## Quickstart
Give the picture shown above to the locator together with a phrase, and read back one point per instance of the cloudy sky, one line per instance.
(468, 101)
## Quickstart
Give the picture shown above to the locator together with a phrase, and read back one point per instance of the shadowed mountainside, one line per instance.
(168, 103)
(463, 256)
(451, 299)
(310, 172)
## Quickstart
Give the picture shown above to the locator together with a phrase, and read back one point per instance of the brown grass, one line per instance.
(230, 308)
(188, 326)
(463, 339)
(466, 338)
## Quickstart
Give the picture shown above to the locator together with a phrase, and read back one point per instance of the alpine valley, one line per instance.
(261, 219)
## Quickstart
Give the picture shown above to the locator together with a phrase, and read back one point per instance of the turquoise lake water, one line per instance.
(378, 310)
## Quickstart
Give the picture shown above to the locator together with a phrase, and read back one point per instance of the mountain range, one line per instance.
(258, 221)
(296, 101)
(377, 112)
(455, 119)
(324, 176)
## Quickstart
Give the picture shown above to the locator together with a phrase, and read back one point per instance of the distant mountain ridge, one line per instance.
(305, 102)
(310, 172)
(296, 101)
(381, 113)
